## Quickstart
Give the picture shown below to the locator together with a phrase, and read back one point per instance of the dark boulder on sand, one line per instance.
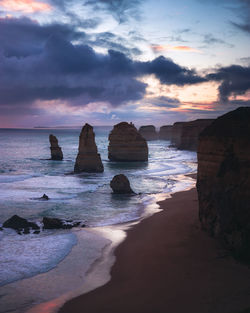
(88, 158)
(223, 181)
(56, 151)
(121, 185)
(148, 132)
(16, 222)
(126, 144)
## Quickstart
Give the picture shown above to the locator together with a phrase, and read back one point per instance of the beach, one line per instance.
(168, 264)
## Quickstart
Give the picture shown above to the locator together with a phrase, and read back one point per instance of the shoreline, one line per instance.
(167, 264)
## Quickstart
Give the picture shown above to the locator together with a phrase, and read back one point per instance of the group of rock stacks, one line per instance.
(126, 144)
(223, 181)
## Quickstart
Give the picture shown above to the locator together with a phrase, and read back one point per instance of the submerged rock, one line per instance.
(126, 144)
(148, 132)
(44, 197)
(223, 181)
(56, 151)
(121, 185)
(18, 223)
(88, 158)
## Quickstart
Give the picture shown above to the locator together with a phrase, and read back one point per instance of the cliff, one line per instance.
(165, 132)
(148, 132)
(55, 150)
(126, 144)
(88, 159)
(185, 134)
(223, 182)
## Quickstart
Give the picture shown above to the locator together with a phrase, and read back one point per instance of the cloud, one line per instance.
(161, 48)
(42, 62)
(121, 10)
(234, 79)
(26, 6)
(244, 25)
(210, 39)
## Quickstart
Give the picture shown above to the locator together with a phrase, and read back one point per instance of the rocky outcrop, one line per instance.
(223, 182)
(56, 223)
(56, 151)
(126, 144)
(185, 134)
(121, 185)
(148, 132)
(20, 224)
(165, 132)
(88, 159)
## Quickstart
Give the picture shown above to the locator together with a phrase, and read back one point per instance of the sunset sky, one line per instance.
(67, 62)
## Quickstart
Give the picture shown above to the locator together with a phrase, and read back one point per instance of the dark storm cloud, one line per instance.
(169, 72)
(235, 80)
(41, 63)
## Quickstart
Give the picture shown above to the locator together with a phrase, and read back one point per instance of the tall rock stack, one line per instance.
(126, 144)
(166, 132)
(148, 132)
(223, 182)
(88, 159)
(55, 150)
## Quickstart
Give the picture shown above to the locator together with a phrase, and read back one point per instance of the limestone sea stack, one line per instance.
(121, 185)
(148, 132)
(126, 144)
(185, 134)
(223, 182)
(56, 151)
(165, 132)
(88, 159)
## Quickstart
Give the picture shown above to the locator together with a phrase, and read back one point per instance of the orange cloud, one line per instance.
(27, 6)
(160, 48)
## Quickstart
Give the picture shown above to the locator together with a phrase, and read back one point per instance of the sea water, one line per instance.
(26, 173)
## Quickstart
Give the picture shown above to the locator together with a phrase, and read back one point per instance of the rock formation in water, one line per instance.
(56, 223)
(56, 151)
(121, 185)
(223, 182)
(148, 132)
(165, 132)
(88, 159)
(20, 224)
(126, 144)
(185, 134)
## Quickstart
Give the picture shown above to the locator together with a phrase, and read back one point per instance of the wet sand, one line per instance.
(167, 264)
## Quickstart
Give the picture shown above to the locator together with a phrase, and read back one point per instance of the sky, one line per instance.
(68, 62)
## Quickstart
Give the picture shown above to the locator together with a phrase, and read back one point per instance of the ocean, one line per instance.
(34, 261)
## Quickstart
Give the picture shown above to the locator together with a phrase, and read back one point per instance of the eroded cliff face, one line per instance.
(165, 132)
(223, 181)
(148, 132)
(185, 134)
(126, 144)
(88, 159)
(56, 151)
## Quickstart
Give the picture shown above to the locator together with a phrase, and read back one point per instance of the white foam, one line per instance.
(28, 255)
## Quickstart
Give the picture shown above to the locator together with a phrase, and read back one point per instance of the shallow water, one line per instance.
(25, 174)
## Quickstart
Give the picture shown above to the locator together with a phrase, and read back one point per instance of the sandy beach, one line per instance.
(167, 264)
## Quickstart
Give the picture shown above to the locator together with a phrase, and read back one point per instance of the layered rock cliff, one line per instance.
(185, 134)
(165, 132)
(126, 144)
(223, 182)
(148, 132)
(55, 150)
(88, 159)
